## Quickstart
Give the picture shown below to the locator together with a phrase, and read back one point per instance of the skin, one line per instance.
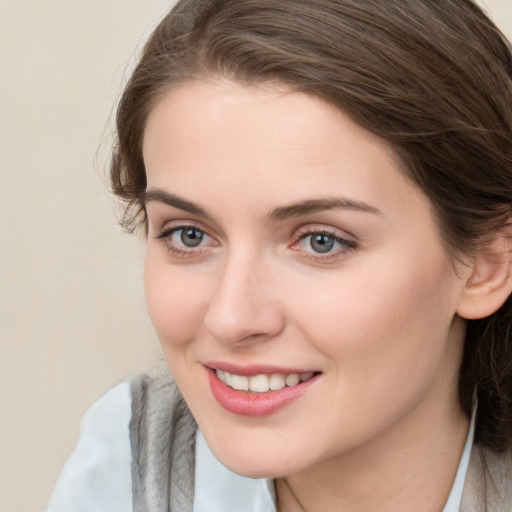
(381, 429)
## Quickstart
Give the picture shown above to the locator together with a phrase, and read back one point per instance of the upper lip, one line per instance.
(251, 370)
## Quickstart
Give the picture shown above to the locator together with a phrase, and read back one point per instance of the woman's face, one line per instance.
(288, 253)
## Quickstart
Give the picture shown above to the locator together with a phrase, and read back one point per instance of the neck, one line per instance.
(411, 466)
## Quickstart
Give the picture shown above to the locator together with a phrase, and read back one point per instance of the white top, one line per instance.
(97, 475)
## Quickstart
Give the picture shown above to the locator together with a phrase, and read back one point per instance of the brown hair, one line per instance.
(432, 78)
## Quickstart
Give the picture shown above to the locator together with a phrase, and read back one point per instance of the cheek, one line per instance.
(384, 323)
(176, 302)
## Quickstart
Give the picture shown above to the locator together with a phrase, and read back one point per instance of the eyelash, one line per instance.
(346, 245)
(166, 234)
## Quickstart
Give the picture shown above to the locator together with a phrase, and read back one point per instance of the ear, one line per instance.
(490, 280)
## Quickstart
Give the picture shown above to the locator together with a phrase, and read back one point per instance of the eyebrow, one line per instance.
(277, 214)
(315, 205)
(159, 195)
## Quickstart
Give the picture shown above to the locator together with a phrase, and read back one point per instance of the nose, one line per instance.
(244, 308)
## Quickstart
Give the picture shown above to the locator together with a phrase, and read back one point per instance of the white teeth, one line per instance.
(293, 379)
(240, 382)
(259, 383)
(277, 381)
(262, 383)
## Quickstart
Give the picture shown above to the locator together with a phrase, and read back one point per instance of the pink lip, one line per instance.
(254, 369)
(256, 404)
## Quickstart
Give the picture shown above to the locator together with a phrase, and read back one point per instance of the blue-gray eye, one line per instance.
(321, 242)
(191, 237)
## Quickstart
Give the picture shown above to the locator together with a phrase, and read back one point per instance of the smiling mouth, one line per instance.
(262, 383)
(261, 391)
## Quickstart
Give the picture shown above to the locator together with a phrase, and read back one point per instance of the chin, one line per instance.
(253, 460)
(258, 468)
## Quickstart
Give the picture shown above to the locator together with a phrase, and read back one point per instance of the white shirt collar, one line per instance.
(455, 497)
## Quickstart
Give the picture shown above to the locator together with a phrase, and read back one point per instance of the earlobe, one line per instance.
(490, 281)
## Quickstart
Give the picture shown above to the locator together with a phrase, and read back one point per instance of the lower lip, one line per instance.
(256, 404)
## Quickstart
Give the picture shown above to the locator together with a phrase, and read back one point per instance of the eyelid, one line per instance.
(168, 229)
(322, 228)
(173, 225)
(348, 242)
(160, 215)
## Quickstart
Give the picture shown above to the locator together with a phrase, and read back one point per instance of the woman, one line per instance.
(326, 188)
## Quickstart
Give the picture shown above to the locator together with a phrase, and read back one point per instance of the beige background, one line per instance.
(72, 316)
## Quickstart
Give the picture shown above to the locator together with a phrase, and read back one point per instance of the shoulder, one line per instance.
(97, 475)
(130, 439)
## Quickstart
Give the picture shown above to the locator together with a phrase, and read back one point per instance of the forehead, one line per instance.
(255, 116)
(267, 145)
